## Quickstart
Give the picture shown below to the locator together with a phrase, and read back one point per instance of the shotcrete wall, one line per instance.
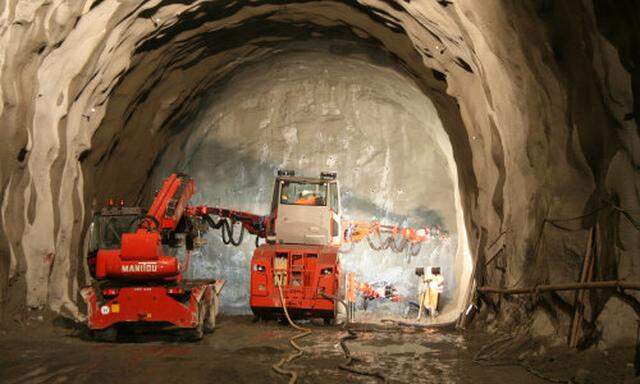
(312, 111)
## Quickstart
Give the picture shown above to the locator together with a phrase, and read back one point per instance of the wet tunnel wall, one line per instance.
(311, 110)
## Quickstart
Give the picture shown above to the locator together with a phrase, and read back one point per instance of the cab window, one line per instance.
(300, 193)
(106, 231)
(334, 199)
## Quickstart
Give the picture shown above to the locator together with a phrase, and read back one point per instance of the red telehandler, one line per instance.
(132, 256)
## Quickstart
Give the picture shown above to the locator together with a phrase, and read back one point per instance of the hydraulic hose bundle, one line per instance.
(391, 243)
(398, 239)
(227, 229)
(228, 238)
(412, 248)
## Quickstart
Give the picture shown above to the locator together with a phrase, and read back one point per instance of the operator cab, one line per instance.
(306, 210)
(107, 227)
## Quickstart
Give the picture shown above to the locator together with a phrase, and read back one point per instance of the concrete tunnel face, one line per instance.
(311, 110)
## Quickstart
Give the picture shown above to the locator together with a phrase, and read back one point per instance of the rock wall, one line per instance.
(310, 110)
(537, 99)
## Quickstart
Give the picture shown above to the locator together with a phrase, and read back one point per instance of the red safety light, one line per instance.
(175, 291)
(110, 203)
(122, 203)
(110, 292)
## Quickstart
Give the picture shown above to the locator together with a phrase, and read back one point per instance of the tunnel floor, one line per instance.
(241, 351)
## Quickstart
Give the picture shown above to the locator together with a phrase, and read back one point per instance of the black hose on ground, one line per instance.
(352, 335)
(399, 323)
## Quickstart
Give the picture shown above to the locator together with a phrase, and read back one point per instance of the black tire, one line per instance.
(108, 335)
(211, 313)
(195, 334)
(282, 320)
(333, 320)
(205, 327)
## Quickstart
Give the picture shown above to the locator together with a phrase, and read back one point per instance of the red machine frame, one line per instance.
(317, 292)
(310, 286)
(138, 283)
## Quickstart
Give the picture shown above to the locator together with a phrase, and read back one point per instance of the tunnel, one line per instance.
(508, 126)
(233, 157)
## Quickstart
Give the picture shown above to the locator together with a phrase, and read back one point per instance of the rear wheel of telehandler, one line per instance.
(107, 335)
(195, 334)
(212, 312)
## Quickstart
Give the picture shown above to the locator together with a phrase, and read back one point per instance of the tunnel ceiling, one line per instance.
(536, 97)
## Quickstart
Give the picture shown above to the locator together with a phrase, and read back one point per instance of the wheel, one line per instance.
(282, 321)
(195, 334)
(107, 335)
(212, 312)
(210, 322)
(328, 321)
(333, 319)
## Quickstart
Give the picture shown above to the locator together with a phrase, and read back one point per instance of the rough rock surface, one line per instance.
(542, 325)
(315, 111)
(619, 323)
(537, 99)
